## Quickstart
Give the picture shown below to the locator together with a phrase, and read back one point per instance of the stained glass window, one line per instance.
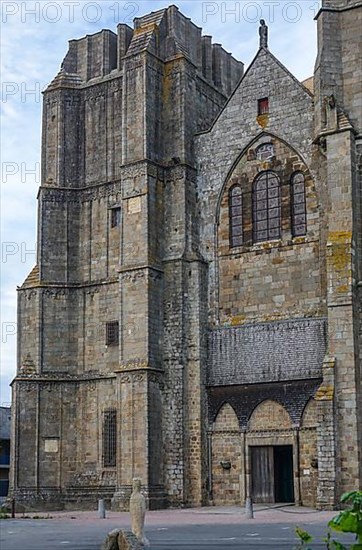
(266, 207)
(236, 216)
(298, 205)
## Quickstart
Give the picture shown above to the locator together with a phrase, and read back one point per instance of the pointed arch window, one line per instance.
(266, 207)
(298, 205)
(236, 215)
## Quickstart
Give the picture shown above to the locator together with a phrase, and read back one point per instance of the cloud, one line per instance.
(34, 42)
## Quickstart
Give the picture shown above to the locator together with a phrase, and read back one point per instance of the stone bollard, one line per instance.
(137, 508)
(249, 512)
(101, 509)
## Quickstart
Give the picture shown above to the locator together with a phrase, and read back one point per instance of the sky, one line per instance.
(34, 36)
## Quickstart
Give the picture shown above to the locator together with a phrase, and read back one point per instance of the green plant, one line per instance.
(350, 521)
(3, 513)
(347, 521)
(304, 537)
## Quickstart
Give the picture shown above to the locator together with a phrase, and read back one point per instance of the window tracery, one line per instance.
(266, 207)
(298, 205)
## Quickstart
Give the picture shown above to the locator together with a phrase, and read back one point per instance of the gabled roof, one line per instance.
(262, 50)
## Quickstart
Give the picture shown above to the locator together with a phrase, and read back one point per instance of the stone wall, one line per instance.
(226, 458)
(219, 152)
(278, 278)
(118, 127)
(308, 463)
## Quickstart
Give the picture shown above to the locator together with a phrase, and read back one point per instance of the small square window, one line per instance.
(115, 217)
(112, 332)
(263, 106)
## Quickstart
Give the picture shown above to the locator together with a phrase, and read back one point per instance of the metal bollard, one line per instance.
(13, 508)
(249, 512)
(101, 509)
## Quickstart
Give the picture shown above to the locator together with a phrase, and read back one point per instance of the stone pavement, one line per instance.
(213, 528)
(263, 513)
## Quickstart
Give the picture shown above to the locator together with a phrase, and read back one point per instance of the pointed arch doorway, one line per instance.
(271, 454)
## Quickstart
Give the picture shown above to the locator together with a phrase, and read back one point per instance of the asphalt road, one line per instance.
(30, 534)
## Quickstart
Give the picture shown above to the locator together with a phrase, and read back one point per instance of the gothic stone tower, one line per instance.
(110, 320)
(194, 317)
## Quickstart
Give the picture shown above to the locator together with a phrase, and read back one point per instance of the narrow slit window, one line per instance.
(263, 106)
(236, 216)
(109, 438)
(266, 207)
(112, 333)
(298, 205)
(115, 217)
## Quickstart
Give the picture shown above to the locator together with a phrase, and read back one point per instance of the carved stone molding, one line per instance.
(85, 479)
(103, 191)
(130, 377)
(91, 291)
(108, 478)
(78, 195)
(138, 273)
(95, 93)
(115, 85)
(56, 293)
(156, 378)
(72, 99)
(51, 99)
(56, 195)
(140, 373)
(155, 275)
(133, 276)
(134, 173)
(133, 364)
(29, 293)
(48, 386)
(27, 386)
(135, 191)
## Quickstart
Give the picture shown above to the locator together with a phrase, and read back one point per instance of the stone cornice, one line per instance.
(44, 285)
(335, 9)
(62, 377)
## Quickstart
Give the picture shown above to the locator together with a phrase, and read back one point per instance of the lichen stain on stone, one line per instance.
(340, 256)
(262, 120)
(343, 289)
(339, 237)
(151, 27)
(339, 243)
(324, 393)
(237, 320)
(277, 261)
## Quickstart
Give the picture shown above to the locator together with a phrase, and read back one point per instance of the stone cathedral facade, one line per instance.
(194, 317)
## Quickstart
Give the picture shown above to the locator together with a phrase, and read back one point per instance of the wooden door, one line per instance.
(262, 474)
